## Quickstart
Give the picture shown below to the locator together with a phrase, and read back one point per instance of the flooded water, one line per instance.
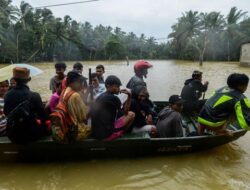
(226, 167)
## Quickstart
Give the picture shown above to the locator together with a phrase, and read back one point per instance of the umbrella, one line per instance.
(7, 72)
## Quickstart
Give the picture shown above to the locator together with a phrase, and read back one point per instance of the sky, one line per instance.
(151, 17)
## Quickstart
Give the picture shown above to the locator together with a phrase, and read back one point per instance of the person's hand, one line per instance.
(149, 120)
(206, 82)
(126, 91)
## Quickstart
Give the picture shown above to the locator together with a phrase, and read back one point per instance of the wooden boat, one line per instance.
(127, 146)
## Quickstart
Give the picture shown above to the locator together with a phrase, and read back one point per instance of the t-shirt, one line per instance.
(105, 111)
(53, 81)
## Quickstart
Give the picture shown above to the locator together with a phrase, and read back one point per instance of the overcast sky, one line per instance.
(151, 17)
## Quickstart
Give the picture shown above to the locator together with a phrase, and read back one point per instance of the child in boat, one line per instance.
(143, 121)
(4, 87)
(100, 70)
(227, 103)
(109, 121)
(54, 99)
(169, 119)
(60, 69)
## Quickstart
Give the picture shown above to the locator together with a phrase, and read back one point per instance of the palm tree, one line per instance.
(232, 28)
(187, 28)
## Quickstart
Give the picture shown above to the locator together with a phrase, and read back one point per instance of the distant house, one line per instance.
(245, 55)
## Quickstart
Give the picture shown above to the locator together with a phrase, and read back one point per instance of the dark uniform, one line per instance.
(191, 93)
(224, 103)
(31, 131)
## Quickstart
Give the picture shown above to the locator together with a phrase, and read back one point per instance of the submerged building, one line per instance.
(245, 55)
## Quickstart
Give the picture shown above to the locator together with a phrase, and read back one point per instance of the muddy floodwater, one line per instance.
(225, 167)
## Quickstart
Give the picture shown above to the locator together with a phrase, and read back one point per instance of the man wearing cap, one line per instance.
(141, 70)
(192, 92)
(34, 126)
(169, 119)
(109, 121)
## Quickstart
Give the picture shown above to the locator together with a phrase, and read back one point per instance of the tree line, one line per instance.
(33, 35)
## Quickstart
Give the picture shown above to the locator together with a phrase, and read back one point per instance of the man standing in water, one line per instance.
(192, 92)
(141, 70)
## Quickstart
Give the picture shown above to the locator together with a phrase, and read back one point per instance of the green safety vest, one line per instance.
(224, 103)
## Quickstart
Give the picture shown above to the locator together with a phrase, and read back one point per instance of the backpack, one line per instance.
(63, 129)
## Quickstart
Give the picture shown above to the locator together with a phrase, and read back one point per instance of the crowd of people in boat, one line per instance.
(97, 107)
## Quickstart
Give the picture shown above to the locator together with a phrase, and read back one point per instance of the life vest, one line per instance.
(224, 103)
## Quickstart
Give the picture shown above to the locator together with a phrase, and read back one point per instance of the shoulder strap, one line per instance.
(65, 99)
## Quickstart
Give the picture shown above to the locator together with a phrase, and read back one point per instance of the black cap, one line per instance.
(112, 80)
(175, 99)
(196, 72)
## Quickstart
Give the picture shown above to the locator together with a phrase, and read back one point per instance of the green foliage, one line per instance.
(209, 36)
(28, 34)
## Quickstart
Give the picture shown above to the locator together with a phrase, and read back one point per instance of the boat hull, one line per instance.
(124, 147)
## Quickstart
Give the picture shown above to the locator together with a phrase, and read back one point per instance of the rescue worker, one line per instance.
(227, 105)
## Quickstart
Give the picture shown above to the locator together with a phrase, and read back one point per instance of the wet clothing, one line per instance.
(191, 93)
(135, 81)
(224, 103)
(3, 119)
(53, 81)
(169, 123)
(31, 130)
(105, 111)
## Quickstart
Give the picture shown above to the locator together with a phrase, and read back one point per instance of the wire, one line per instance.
(63, 4)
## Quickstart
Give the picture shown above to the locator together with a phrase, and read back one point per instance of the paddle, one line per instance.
(204, 94)
(91, 87)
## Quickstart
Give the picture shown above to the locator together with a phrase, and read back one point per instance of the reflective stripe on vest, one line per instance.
(247, 102)
(222, 100)
(239, 114)
(209, 123)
